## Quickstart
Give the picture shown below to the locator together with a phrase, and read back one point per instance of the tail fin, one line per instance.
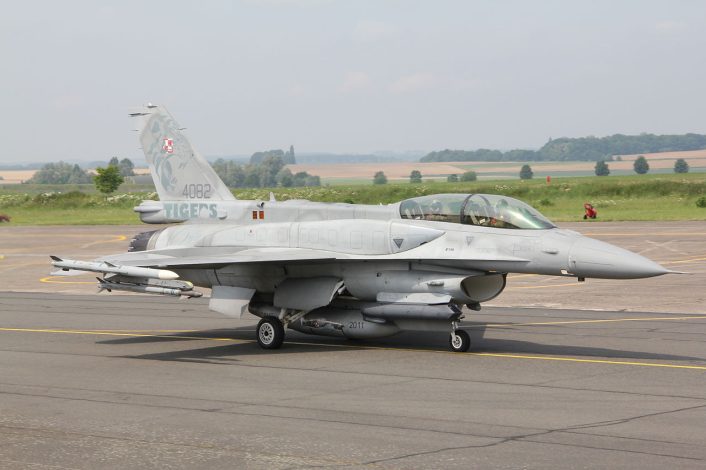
(179, 172)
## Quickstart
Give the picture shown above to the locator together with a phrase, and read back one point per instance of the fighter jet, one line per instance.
(348, 270)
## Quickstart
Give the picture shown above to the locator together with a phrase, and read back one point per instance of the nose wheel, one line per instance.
(270, 333)
(459, 341)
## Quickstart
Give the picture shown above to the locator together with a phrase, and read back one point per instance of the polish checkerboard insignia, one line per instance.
(168, 145)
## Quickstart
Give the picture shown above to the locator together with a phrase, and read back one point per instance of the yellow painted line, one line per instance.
(118, 238)
(690, 260)
(346, 346)
(3, 266)
(604, 320)
(591, 361)
(518, 276)
(63, 235)
(113, 333)
(654, 234)
(546, 287)
(147, 331)
(51, 280)
(512, 356)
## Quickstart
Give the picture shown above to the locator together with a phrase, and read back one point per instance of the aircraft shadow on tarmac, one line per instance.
(413, 341)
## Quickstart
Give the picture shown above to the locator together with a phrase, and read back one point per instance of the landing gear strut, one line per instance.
(459, 341)
(270, 333)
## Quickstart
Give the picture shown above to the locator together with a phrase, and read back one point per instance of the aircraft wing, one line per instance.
(217, 256)
(208, 257)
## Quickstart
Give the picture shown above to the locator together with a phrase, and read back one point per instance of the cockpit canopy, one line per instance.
(486, 210)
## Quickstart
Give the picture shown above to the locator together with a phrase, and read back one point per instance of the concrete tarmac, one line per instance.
(602, 374)
(145, 382)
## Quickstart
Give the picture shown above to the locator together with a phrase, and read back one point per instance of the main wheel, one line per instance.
(270, 333)
(459, 341)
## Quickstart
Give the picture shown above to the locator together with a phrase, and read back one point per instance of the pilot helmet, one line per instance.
(436, 206)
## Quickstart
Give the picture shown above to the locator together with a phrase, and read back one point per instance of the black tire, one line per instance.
(462, 343)
(270, 333)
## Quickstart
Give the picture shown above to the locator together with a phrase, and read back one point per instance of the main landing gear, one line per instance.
(270, 333)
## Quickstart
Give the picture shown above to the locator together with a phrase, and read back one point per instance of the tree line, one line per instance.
(583, 148)
(268, 173)
(66, 173)
(263, 172)
(287, 157)
(640, 165)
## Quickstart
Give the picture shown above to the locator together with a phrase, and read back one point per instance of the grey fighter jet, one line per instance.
(348, 270)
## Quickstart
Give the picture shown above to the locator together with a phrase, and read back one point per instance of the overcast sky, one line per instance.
(346, 76)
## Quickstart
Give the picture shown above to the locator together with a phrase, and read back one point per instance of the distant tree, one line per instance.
(602, 168)
(312, 180)
(680, 166)
(526, 172)
(285, 178)
(269, 172)
(469, 176)
(232, 174)
(268, 169)
(583, 148)
(380, 178)
(641, 166)
(108, 179)
(252, 180)
(127, 168)
(415, 176)
(60, 173)
(289, 158)
(114, 162)
(452, 178)
(259, 157)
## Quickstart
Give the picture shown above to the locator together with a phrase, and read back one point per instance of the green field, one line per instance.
(645, 197)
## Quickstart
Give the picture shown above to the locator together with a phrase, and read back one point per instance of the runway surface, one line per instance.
(126, 382)
(601, 374)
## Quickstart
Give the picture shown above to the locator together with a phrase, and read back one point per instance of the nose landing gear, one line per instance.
(460, 340)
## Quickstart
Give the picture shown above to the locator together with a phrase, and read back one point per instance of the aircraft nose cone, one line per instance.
(593, 258)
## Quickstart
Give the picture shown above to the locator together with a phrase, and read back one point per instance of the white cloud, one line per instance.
(669, 26)
(371, 31)
(424, 81)
(295, 3)
(296, 89)
(355, 81)
(68, 101)
(412, 83)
